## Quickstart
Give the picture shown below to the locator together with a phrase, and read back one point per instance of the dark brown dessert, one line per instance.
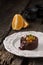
(29, 42)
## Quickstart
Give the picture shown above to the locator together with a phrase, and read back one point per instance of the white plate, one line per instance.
(12, 44)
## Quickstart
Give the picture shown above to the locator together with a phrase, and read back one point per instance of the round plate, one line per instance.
(12, 44)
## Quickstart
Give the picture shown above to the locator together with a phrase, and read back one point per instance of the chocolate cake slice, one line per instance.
(29, 42)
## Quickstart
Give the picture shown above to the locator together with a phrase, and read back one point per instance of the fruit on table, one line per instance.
(19, 22)
(25, 24)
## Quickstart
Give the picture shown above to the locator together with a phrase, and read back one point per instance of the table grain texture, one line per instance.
(6, 14)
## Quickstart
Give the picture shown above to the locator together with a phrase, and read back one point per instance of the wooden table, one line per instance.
(6, 14)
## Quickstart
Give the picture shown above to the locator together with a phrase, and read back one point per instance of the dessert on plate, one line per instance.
(30, 42)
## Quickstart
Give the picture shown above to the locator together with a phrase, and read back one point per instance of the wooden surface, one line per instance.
(6, 14)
